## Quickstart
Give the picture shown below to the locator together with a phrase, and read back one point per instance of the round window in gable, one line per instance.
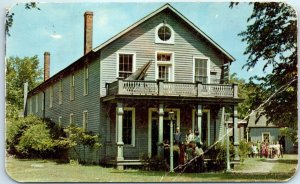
(164, 33)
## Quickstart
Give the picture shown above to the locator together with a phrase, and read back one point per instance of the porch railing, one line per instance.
(161, 88)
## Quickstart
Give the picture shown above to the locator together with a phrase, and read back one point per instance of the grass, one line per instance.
(50, 171)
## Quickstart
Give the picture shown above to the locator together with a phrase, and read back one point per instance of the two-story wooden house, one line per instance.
(124, 88)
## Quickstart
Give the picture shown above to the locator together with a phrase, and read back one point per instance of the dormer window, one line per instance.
(164, 34)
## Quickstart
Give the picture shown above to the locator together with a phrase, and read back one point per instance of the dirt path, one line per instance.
(255, 166)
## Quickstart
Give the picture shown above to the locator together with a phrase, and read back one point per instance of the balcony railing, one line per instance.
(160, 88)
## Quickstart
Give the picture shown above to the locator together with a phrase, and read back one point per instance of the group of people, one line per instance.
(185, 148)
(266, 150)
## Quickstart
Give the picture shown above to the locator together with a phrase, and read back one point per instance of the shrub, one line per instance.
(36, 142)
(244, 148)
(156, 163)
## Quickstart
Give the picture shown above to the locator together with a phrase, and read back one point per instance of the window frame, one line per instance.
(85, 80)
(133, 61)
(51, 96)
(60, 121)
(60, 92)
(170, 64)
(37, 103)
(171, 40)
(132, 144)
(207, 67)
(71, 119)
(85, 120)
(72, 87)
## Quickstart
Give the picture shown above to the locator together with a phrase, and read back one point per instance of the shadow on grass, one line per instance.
(221, 176)
(285, 161)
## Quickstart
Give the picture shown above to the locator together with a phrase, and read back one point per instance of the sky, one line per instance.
(58, 28)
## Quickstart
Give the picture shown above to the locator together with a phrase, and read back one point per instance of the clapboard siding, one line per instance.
(81, 103)
(141, 41)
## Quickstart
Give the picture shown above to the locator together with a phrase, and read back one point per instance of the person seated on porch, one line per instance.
(190, 136)
(178, 139)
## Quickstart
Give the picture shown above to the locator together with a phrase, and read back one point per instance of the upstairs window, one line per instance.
(126, 64)
(201, 70)
(164, 66)
(72, 87)
(51, 96)
(86, 80)
(37, 103)
(60, 92)
(164, 34)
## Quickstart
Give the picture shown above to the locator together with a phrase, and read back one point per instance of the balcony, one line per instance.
(161, 88)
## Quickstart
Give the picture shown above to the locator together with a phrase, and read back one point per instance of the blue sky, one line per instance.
(58, 28)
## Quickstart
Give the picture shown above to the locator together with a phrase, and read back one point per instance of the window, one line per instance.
(43, 103)
(60, 92)
(86, 80)
(51, 96)
(164, 34)
(71, 120)
(30, 105)
(72, 87)
(126, 64)
(85, 120)
(163, 72)
(59, 121)
(201, 70)
(37, 103)
(164, 66)
(129, 126)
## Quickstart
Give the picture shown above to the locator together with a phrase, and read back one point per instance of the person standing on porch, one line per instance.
(190, 136)
(179, 141)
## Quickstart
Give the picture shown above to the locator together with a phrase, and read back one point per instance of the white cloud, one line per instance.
(216, 16)
(56, 36)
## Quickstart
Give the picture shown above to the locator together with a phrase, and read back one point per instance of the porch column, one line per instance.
(119, 127)
(199, 120)
(235, 134)
(160, 129)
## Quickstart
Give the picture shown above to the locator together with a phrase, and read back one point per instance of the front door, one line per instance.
(153, 132)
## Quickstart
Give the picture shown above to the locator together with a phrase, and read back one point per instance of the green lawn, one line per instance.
(50, 171)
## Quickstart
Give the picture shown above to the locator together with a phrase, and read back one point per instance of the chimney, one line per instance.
(88, 31)
(46, 65)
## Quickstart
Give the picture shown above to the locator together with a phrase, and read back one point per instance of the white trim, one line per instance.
(208, 67)
(153, 14)
(71, 118)
(60, 92)
(72, 87)
(171, 65)
(37, 103)
(85, 124)
(208, 123)
(150, 110)
(85, 80)
(133, 61)
(51, 96)
(59, 121)
(133, 126)
(170, 40)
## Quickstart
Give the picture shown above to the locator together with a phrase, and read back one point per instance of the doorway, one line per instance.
(153, 127)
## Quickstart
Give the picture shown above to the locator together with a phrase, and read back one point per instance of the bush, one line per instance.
(155, 163)
(15, 129)
(36, 142)
(32, 137)
(244, 148)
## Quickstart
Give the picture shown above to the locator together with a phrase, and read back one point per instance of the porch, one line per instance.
(161, 88)
(147, 118)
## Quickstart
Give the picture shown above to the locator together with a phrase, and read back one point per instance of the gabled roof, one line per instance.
(164, 7)
(257, 120)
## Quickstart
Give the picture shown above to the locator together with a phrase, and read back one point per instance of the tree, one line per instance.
(10, 16)
(271, 38)
(19, 71)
